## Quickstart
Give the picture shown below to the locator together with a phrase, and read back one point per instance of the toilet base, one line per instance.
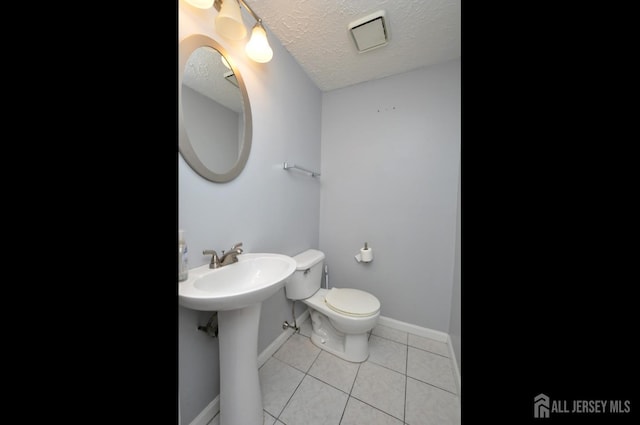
(350, 347)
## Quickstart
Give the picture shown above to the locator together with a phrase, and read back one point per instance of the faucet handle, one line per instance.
(215, 260)
(236, 247)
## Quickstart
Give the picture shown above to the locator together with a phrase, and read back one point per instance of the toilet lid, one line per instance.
(352, 302)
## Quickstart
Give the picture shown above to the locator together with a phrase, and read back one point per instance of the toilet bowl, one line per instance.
(341, 318)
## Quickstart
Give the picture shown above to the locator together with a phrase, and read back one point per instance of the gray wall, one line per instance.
(390, 160)
(455, 322)
(267, 208)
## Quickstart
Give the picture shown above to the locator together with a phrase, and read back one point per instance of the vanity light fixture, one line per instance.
(229, 24)
(201, 4)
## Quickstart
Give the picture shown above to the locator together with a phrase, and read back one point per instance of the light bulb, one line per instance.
(258, 48)
(202, 4)
(229, 21)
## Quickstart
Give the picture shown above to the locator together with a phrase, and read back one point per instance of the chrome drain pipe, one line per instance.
(211, 328)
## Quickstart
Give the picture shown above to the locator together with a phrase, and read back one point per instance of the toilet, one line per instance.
(341, 318)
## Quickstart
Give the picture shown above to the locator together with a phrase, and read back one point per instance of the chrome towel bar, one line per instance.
(288, 166)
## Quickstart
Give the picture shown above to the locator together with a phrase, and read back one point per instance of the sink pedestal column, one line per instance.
(240, 395)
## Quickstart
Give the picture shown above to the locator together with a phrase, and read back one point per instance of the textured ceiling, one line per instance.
(315, 32)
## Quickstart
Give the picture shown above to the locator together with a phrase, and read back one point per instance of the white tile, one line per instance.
(380, 387)
(298, 352)
(429, 344)
(388, 353)
(427, 405)
(314, 403)
(335, 371)
(359, 413)
(431, 368)
(278, 381)
(390, 333)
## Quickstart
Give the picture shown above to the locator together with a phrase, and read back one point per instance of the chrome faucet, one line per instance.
(227, 258)
(231, 256)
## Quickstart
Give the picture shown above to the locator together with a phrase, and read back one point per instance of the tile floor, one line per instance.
(407, 379)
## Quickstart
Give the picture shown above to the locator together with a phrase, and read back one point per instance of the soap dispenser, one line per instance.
(183, 263)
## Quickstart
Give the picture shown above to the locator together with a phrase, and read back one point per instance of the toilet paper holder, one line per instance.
(365, 255)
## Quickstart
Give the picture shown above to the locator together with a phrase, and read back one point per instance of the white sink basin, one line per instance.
(236, 292)
(253, 279)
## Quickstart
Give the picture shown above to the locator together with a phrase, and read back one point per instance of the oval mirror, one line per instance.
(214, 115)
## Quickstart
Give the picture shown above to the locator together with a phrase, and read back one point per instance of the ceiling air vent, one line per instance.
(370, 32)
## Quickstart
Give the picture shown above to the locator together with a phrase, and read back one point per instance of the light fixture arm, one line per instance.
(256, 17)
(218, 3)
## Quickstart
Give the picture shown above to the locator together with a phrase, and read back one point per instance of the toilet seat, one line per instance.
(352, 302)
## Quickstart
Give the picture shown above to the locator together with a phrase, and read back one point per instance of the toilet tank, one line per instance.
(307, 278)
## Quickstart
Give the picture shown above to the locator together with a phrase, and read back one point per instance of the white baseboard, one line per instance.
(414, 329)
(208, 412)
(213, 408)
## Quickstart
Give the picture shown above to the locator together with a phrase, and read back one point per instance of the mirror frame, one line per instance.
(186, 48)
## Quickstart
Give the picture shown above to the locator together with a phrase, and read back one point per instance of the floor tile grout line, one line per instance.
(388, 339)
(297, 386)
(432, 385)
(370, 405)
(299, 383)
(428, 351)
(376, 408)
(295, 367)
(386, 367)
(429, 383)
(344, 409)
(320, 379)
(289, 399)
(331, 385)
(353, 384)
(412, 346)
(326, 383)
(408, 334)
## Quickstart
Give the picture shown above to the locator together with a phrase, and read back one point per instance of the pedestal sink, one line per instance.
(236, 292)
